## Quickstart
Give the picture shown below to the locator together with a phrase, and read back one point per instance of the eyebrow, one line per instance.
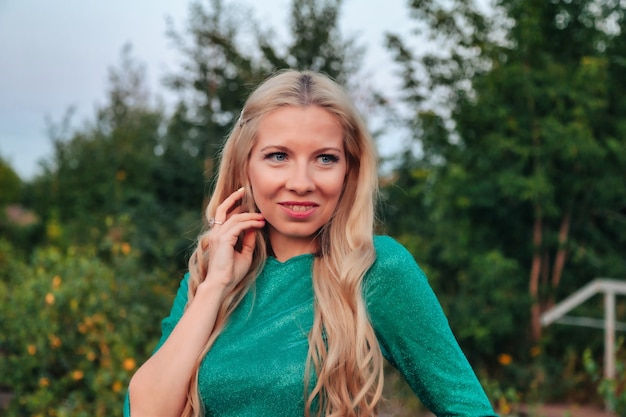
(285, 148)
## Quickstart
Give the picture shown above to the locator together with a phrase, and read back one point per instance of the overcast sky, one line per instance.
(56, 54)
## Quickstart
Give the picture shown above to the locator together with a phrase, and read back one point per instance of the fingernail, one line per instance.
(241, 189)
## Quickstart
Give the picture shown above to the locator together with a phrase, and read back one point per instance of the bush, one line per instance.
(613, 391)
(74, 329)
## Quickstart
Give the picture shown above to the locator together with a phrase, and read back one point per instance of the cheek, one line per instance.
(337, 185)
(252, 192)
(258, 192)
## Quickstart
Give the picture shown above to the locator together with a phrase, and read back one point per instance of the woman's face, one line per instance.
(296, 171)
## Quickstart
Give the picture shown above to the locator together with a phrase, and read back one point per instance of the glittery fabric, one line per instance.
(256, 366)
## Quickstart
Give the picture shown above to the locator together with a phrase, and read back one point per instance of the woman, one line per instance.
(291, 303)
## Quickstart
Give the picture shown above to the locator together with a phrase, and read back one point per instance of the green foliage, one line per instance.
(506, 399)
(10, 183)
(226, 53)
(516, 194)
(129, 172)
(106, 167)
(118, 205)
(75, 328)
(613, 391)
(517, 119)
(18, 224)
(399, 399)
(318, 44)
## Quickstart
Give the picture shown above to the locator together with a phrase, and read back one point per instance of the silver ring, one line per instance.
(213, 222)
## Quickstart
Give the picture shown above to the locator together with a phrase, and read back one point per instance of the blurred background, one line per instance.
(502, 134)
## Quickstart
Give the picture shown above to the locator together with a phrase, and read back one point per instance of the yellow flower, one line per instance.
(44, 382)
(49, 298)
(104, 349)
(77, 375)
(125, 248)
(56, 282)
(55, 342)
(129, 364)
(505, 359)
(91, 356)
(117, 386)
(32, 349)
(535, 351)
(503, 406)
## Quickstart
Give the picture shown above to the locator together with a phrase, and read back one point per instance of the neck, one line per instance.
(283, 251)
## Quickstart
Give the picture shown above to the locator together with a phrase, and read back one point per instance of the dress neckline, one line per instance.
(303, 256)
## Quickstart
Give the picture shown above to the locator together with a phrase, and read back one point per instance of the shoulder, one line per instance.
(394, 265)
(395, 287)
(391, 256)
(386, 246)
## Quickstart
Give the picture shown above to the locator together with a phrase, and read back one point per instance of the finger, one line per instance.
(230, 231)
(227, 260)
(236, 210)
(213, 222)
(241, 222)
(221, 213)
(249, 235)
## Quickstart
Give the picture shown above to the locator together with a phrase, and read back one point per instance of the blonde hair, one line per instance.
(343, 348)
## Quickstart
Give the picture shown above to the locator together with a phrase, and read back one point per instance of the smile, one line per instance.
(299, 210)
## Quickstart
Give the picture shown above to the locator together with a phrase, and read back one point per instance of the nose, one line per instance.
(300, 179)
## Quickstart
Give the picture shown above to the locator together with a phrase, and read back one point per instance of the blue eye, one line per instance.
(276, 156)
(327, 159)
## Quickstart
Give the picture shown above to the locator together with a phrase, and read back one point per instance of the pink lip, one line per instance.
(298, 209)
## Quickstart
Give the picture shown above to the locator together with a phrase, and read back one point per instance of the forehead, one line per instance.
(295, 124)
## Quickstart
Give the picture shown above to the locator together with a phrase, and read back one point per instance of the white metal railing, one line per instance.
(610, 288)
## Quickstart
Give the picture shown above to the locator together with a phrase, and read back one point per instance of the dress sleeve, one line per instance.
(168, 324)
(416, 338)
(176, 312)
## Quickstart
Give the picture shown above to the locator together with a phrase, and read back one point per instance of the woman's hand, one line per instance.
(228, 266)
(159, 387)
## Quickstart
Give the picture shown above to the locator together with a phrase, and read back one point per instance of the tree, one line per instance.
(104, 180)
(223, 62)
(10, 183)
(94, 169)
(515, 112)
(17, 224)
(317, 43)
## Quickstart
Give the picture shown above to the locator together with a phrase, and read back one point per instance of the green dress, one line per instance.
(256, 366)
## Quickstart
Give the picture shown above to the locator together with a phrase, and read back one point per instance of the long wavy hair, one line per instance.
(343, 349)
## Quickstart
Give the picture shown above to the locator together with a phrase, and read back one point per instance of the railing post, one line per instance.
(609, 338)
(610, 288)
(609, 334)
